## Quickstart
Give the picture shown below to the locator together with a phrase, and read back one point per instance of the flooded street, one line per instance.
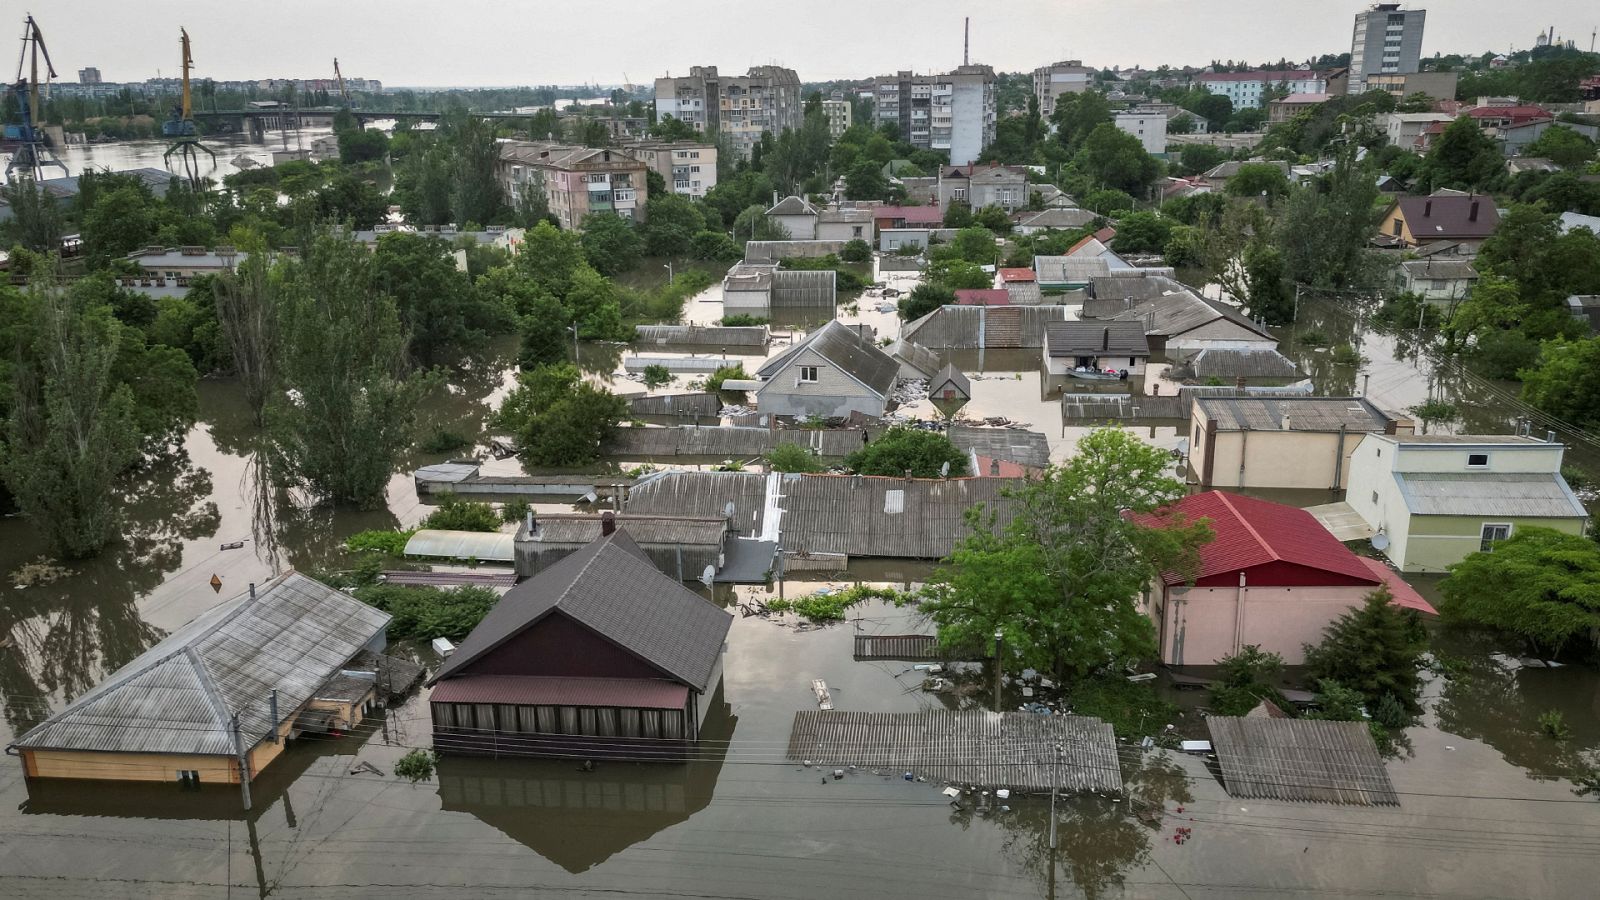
(1488, 806)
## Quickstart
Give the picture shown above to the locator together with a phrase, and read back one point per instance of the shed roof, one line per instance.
(1059, 217)
(490, 546)
(1008, 275)
(1300, 759)
(953, 377)
(577, 528)
(1440, 269)
(1509, 494)
(847, 348)
(179, 696)
(1070, 269)
(983, 297)
(1293, 413)
(612, 588)
(1063, 339)
(1030, 448)
(1248, 532)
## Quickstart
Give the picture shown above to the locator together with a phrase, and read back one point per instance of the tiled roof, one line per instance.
(1016, 275)
(1249, 532)
(612, 588)
(983, 297)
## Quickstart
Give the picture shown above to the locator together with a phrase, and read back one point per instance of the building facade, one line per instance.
(955, 112)
(688, 167)
(1247, 90)
(576, 181)
(1149, 128)
(1281, 442)
(1387, 40)
(834, 372)
(1438, 85)
(1067, 77)
(984, 185)
(838, 114)
(740, 107)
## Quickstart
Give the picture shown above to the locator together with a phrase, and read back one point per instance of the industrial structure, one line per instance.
(181, 127)
(31, 156)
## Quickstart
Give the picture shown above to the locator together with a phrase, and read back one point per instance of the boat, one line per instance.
(1098, 375)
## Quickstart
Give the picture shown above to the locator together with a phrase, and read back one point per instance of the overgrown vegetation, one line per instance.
(831, 607)
(425, 613)
(902, 449)
(787, 457)
(456, 514)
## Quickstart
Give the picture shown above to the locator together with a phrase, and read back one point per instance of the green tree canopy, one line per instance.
(1142, 232)
(611, 243)
(1463, 157)
(671, 222)
(925, 298)
(1562, 146)
(1566, 383)
(793, 458)
(1375, 649)
(446, 318)
(1118, 160)
(1540, 584)
(902, 449)
(558, 418)
(1258, 179)
(1060, 581)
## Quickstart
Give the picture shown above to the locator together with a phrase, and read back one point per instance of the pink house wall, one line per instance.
(1201, 624)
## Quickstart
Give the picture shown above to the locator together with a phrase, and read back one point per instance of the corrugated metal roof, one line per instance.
(582, 529)
(1300, 759)
(1070, 269)
(1438, 269)
(699, 404)
(1249, 532)
(963, 327)
(706, 494)
(1063, 339)
(916, 356)
(612, 588)
(489, 546)
(847, 348)
(951, 377)
(447, 473)
(1292, 413)
(726, 441)
(1211, 363)
(1507, 494)
(702, 335)
(642, 693)
(1030, 448)
(179, 696)
(793, 206)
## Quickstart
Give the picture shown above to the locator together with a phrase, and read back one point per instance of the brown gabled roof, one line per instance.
(1449, 217)
(611, 588)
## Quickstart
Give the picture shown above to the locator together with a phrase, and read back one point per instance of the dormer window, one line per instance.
(1477, 460)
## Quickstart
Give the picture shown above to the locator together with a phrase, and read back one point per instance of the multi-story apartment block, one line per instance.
(1148, 126)
(1246, 89)
(837, 112)
(954, 112)
(688, 167)
(1067, 77)
(740, 107)
(1387, 40)
(576, 181)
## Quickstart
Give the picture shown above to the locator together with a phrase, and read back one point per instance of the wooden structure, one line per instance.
(898, 646)
(973, 746)
(1300, 759)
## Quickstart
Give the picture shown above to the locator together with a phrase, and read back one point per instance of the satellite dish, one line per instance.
(708, 575)
(1380, 541)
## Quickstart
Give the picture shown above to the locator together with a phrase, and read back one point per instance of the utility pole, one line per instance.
(1055, 783)
(999, 644)
(574, 329)
(244, 763)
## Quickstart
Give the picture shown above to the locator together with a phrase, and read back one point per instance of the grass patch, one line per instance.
(1133, 710)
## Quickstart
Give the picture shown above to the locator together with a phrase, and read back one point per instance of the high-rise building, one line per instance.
(739, 107)
(89, 75)
(1050, 82)
(1388, 40)
(837, 112)
(954, 112)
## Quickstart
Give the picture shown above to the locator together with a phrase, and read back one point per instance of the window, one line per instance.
(1374, 498)
(1398, 225)
(1491, 535)
(189, 779)
(808, 374)
(1477, 460)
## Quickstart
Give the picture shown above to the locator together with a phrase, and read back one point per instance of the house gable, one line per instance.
(558, 645)
(832, 380)
(1281, 573)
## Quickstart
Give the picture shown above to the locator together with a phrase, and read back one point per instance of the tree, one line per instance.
(1060, 581)
(1376, 649)
(1076, 115)
(456, 514)
(1261, 179)
(1247, 679)
(714, 245)
(1118, 160)
(856, 250)
(558, 418)
(1540, 584)
(417, 765)
(445, 317)
(1566, 383)
(923, 299)
(475, 194)
(958, 274)
(975, 245)
(901, 449)
(1323, 229)
(1142, 232)
(359, 145)
(792, 458)
(36, 221)
(1269, 296)
(1182, 123)
(550, 257)
(117, 222)
(1463, 157)
(865, 181)
(993, 218)
(669, 128)
(1108, 202)
(753, 224)
(349, 400)
(958, 215)
(71, 428)
(671, 222)
(1197, 159)
(656, 375)
(596, 306)
(611, 243)
(1562, 146)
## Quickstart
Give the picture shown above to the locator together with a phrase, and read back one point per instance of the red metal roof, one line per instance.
(913, 215)
(536, 690)
(983, 297)
(1009, 275)
(1404, 594)
(1509, 112)
(989, 467)
(1251, 533)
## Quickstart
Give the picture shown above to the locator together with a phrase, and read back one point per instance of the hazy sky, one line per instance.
(514, 42)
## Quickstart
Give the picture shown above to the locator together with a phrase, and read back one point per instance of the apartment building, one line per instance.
(1066, 77)
(1149, 127)
(1246, 89)
(741, 107)
(576, 181)
(837, 112)
(1387, 39)
(688, 167)
(955, 111)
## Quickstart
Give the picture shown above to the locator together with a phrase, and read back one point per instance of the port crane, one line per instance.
(181, 128)
(344, 92)
(31, 156)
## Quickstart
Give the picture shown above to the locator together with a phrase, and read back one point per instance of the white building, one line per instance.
(954, 112)
(837, 112)
(1246, 89)
(1149, 128)
(1387, 40)
(688, 167)
(1067, 77)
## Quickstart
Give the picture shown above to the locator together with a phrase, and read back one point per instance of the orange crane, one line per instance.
(31, 155)
(344, 93)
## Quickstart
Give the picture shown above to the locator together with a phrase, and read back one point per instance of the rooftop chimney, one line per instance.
(532, 523)
(994, 467)
(1286, 423)
(1472, 212)
(1427, 208)
(608, 523)
(908, 474)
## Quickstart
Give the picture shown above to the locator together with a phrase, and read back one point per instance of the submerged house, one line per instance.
(1281, 441)
(837, 370)
(683, 547)
(1271, 576)
(599, 654)
(1093, 349)
(1437, 498)
(219, 697)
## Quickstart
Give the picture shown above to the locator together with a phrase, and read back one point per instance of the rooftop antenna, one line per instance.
(966, 38)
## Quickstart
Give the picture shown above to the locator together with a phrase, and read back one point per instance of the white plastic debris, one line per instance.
(1002, 794)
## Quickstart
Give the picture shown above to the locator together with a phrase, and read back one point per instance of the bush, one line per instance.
(1108, 202)
(856, 250)
(923, 453)
(1337, 703)
(1554, 724)
(793, 458)
(385, 541)
(425, 613)
(443, 440)
(1246, 681)
(723, 373)
(515, 511)
(656, 375)
(832, 607)
(1132, 710)
(924, 299)
(418, 765)
(742, 320)
(456, 514)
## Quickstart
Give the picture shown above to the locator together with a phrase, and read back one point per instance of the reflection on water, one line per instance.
(229, 148)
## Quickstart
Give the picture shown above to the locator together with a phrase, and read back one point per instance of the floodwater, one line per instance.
(229, 149)
(1488, 803)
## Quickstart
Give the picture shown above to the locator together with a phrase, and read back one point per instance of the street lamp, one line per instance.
(574, 329)
(668, 267)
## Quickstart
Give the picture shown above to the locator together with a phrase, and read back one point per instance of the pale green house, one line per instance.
(1434, 499)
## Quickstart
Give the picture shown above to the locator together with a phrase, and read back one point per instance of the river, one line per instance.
(230, 150)
(1488, 808)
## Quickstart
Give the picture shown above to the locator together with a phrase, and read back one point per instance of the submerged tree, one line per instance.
(1540, 584)
(1376, 649)
(558, 418)
(350, 399)
(246, 301)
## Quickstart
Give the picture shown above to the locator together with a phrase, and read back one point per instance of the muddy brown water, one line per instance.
(1488, 805)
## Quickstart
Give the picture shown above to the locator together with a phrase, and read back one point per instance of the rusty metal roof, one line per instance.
(1300, 759)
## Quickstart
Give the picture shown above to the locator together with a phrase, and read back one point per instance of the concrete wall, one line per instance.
(749, 303)
(800, 228)
(1272, 459)
(845, 231)
(1203, 625)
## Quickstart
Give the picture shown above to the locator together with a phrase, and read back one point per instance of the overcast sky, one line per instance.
(516, 42)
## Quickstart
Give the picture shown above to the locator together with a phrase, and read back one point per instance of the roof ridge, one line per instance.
(1227, 500)
(209, 687)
